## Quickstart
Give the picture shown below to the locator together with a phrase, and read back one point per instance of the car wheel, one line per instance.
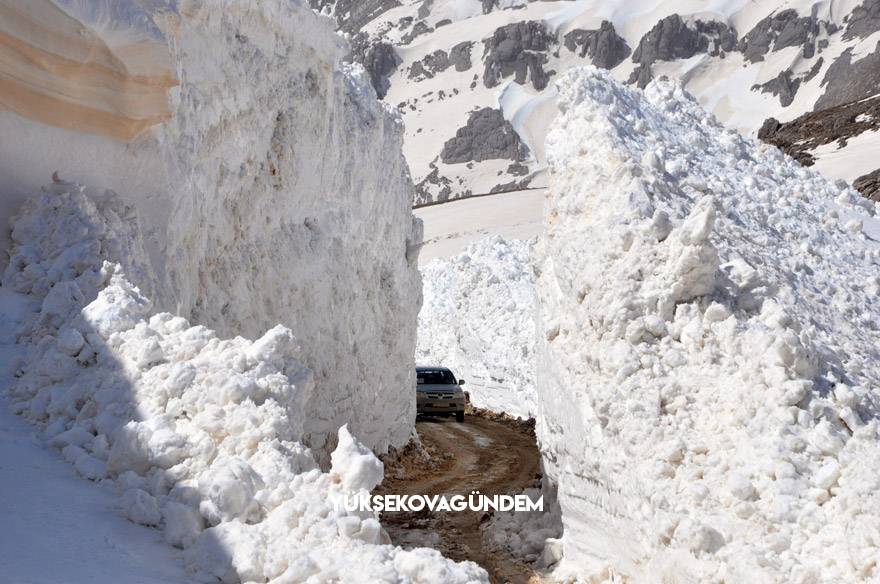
(459, 416)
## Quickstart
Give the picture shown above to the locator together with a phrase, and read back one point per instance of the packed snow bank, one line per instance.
(268, 180)
(529, 536)
(200, 436)
(709, 360)
(477, 318)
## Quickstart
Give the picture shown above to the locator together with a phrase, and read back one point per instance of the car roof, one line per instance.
(432, 368)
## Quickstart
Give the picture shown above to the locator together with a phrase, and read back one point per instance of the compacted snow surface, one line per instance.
(709, 349)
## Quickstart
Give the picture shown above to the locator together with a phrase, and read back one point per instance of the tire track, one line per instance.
(482, 455)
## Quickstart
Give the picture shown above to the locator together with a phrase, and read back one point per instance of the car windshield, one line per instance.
(435, 377)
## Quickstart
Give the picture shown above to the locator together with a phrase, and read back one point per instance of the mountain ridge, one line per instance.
(439, 61)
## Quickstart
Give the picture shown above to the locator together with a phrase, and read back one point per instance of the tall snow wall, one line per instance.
(200, 436)
(709, 350)
(267, 180)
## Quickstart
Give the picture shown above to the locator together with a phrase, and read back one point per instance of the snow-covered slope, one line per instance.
(267, 180)
(200, 436)
(709, 361)
(473, 78)
(478, 319)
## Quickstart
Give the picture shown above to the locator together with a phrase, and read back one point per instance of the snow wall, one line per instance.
(478, 318)
(267, 181)
(709, 349)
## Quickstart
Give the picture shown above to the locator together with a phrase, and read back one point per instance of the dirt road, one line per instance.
(479, 455)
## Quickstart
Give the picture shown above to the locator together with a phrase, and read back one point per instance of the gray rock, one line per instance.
(864, 20)
(460, 55)
(511, 186)
(486, 136)
(782, 86)
(869, 185)
(668, 40)
(430, 65)
(518, 49)
(641, 76)
(847, 81)
(418, 30)
(721, 38)
(433, 189)
(814, 70)
(672, 38)
(439, 61)
(378, 58)
(425, 9)
(352, 15)
(778, 31)
(605, 47)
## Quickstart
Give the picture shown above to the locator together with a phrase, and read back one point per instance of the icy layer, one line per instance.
(709, 359)
(274, 191)
(65, 65)
(200, 436)
(477, 318)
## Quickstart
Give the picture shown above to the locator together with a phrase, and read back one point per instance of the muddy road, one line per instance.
(495, 458)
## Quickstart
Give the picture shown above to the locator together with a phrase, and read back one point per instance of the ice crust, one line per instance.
(477, 318)
(200, 436)
(274, 191)
(709, 349)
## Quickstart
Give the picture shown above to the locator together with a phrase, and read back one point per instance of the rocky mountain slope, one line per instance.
(841, 141)
(473, 79)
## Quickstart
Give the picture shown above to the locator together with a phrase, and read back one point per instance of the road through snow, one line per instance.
(494, 458)
(450, 227)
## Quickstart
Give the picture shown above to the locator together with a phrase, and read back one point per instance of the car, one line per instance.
(439, 393)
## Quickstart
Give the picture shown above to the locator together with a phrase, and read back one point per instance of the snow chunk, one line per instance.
(356, 467)
(141, 507)
(183, 524)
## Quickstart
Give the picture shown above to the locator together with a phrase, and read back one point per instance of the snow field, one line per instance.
(199, 435)
(709, 338)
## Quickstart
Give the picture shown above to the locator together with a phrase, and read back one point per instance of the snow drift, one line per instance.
(201, 436)
(709, 361)
(268, 182)
(478, 318)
